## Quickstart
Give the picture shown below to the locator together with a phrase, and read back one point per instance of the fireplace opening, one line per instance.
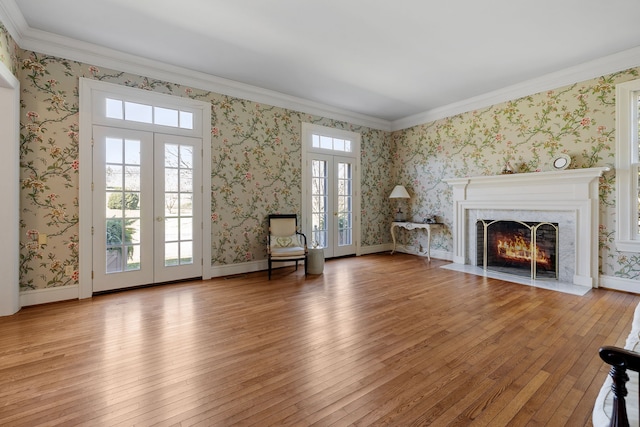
(527, 249)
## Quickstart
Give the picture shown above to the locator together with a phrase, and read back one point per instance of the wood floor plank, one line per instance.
(375, 340)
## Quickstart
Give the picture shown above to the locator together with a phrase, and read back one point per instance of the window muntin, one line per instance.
(330, 143)
(142, 113)
(628, 166)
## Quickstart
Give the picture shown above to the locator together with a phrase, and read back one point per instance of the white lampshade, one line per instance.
(399, 192)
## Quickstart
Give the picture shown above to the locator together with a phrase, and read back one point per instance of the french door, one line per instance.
(147, 208)
(332, 204)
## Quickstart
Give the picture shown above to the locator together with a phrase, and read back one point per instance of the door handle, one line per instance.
(159, 218)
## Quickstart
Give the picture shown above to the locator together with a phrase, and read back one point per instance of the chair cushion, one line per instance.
(289, 251)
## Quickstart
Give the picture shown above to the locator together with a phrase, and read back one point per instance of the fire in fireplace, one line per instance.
(522, 248)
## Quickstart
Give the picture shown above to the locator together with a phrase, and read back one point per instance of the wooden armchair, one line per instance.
(285, 243)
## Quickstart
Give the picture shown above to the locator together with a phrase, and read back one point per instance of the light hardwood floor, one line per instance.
(379, 339)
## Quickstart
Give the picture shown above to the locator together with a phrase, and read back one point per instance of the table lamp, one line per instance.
(399, 192)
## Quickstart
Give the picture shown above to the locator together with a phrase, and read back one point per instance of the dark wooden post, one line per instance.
(620, 360)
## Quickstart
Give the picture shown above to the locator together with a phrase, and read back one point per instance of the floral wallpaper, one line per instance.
(8, 51)
(256, 168)
(256, 161)
(525, 135)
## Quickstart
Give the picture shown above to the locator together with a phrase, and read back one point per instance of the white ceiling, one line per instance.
(383, 59)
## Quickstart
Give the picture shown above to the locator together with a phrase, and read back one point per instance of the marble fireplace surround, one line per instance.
(568, 197)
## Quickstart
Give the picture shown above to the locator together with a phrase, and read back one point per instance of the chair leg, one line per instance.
(296, 265)
(269, 262)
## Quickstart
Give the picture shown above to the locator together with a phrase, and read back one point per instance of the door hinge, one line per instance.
(91, 274)
(92, 230)
(92, 186)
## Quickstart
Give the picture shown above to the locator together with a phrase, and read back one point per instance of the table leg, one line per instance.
(429, 243)
(393, 236)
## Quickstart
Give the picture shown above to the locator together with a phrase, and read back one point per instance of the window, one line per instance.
(136, 112)
(330, 143)
(119, 108)
(627, 167)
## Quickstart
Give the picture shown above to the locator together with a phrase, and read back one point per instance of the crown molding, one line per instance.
(12, 19)
(67, 48)
(592, 69)
(64, 47)
(90, 54)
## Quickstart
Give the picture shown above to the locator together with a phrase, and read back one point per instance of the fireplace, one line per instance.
(568, 198)
(528, 249)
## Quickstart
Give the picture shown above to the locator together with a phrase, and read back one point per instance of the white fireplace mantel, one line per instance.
(574, 191)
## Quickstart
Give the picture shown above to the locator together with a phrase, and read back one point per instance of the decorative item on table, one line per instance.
(506, 170)
(430, 219)
(399, 192)
(560, 162)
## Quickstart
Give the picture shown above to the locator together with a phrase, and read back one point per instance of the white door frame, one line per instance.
(308, 130)
(88, 89)
(10, 191)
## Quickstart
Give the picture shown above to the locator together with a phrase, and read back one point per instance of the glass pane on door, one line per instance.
(319, 203)
(345, 204)
(178, 209)
(122, 213)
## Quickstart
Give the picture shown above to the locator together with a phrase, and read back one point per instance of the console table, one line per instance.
(414, 226)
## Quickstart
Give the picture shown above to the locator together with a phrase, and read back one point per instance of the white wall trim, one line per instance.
(435, 254)
(65, 293)
(47, 295)
(63, 47)
(626, 166)
(609, 64)
(10, 192)
(248, 267)
(12, 19)
(620, 284)
(374, 249)
(232, 269)
(90, 54)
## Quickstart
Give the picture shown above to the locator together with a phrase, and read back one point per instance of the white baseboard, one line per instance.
(47, 295)
(374, 249)
(253, 266)
(620, 284)
(443, 255)
(63, 293)
(233, 269)
(435, 254)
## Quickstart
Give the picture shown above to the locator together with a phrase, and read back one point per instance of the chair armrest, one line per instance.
(305, 239)
(620, 360)
(617, 356)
